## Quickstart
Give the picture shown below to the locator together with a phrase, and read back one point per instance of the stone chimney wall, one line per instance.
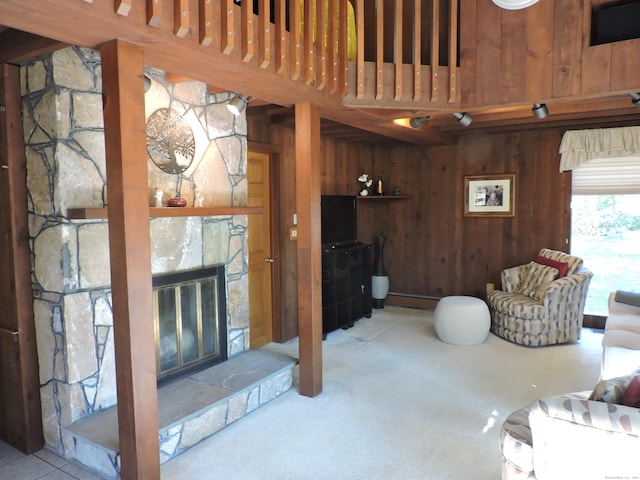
(64, 144)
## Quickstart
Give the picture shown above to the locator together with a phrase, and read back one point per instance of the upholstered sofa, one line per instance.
(542, 302)
(584, 435)
(621, 339)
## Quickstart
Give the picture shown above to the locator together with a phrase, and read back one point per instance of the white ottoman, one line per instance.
(462, 320)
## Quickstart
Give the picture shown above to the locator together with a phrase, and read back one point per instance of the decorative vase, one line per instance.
(379, 278)
(177, 202)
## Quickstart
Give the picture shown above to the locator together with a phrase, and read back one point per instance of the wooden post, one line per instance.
(309, 250)
(20, 410)
(130, 250)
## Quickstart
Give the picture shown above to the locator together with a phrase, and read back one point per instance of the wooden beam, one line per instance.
(130, 253)
(309, 247)
(17, 46)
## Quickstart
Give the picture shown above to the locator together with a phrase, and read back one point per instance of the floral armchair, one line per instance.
(541, 303)
(586, 435)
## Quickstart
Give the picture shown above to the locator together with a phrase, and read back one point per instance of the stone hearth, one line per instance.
(190, 409)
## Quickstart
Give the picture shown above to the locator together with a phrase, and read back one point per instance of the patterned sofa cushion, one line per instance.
(516, 442)
(612, 390)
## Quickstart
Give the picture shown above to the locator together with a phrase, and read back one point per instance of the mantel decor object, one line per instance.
(379, 279)
(177, 202)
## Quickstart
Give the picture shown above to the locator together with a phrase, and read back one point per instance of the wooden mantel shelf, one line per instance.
(384, 197)
(154, 212)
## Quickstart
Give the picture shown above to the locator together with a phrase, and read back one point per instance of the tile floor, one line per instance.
(42, 465)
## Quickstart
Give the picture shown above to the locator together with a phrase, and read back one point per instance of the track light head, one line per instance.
(635, 99)
(415, 122)
(463, 118)
(540, 110)
(237, 104)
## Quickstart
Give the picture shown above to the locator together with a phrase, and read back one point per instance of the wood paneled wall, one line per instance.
(432, 250)
(538, 54)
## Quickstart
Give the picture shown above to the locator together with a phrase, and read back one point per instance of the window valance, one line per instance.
(579, 146)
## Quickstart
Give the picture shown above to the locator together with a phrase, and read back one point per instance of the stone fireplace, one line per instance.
(64, 144)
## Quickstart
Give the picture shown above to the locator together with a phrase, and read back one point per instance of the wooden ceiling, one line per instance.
(376, 126)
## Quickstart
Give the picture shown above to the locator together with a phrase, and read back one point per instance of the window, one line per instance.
(605, 233)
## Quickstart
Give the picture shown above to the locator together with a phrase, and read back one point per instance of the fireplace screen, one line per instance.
(190, 321)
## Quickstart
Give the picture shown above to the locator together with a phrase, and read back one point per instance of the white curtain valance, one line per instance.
(579, 146)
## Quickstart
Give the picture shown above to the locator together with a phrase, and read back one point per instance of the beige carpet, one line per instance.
(397, 404)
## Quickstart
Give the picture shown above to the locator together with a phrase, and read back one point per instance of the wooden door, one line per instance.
(20, 414)
(260, 258)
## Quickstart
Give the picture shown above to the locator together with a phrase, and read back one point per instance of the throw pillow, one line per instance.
(536, 280)
(561, 266)
(610, 390)
(631, 397)
(629, 298)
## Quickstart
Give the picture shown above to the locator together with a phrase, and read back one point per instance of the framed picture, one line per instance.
(490, 195)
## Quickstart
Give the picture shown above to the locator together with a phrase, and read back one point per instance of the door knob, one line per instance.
(268, 260)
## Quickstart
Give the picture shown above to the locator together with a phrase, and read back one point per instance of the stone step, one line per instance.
(189, 410)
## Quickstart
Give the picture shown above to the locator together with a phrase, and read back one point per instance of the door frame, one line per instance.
(21, 414)
(274, 216)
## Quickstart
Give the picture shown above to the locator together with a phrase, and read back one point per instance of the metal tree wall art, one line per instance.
(170, 142)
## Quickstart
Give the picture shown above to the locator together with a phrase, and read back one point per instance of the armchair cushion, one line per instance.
(536, 280)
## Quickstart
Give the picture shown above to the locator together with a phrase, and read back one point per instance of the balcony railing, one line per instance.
(392, 53)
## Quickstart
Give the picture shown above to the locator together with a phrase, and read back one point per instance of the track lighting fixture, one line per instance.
(540, 110)
(635, 99)
(237, 104)
(415, 122)
(463, 118)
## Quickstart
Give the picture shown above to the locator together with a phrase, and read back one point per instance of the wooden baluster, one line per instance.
(294, 36)
(321, 43)
(435, 49)
(343, 51)
(360, 58)
(417, 50)
(453, 51)
(205, 30)
(334, 25)
(246, 25)
(123, 7)
(398, 52)
(379, 49)
(264, 34)
(181, 15)
(227, 43)
(307, 43)
(154, 12)
(280, 44)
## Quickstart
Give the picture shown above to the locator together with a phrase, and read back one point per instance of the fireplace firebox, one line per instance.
(189, 310)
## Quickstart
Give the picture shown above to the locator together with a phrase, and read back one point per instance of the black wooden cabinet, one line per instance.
(346, 286)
